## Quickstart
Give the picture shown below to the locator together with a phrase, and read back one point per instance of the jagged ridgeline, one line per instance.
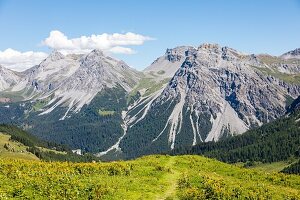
(185, 97)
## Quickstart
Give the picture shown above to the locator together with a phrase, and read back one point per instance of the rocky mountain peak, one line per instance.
(95, 53)
(292, 54)
(176, 54)
(7, 78)
(219, 87)
(166, 65)
(55, 55)
(4, 70)
(95, 56)
(209, 46)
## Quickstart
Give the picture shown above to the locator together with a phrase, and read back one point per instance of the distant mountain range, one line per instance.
(185, 97)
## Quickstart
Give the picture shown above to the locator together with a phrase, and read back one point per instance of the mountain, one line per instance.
(167, 65)
(75, 79)
(91, 88)
(292, 54)
(215, 93)
(8, 78)
(185, 97)
(272, 142)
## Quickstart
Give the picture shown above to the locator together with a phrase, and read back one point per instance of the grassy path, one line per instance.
(172, 179)
(151, 177)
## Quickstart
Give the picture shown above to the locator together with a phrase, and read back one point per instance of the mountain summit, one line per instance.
(292, 54)
(215, 92)
(8, 78)
(74, 80)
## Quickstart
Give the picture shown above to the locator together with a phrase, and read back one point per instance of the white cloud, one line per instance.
(58, 40)
(113, 43)
(121, 50)
(20, 61)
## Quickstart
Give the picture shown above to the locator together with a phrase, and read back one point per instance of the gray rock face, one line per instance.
(166, 65)
(94, 73)
(74, 80)
(8, 78)
(97, 71)
(292, 54)
(223, 87)
(49, 74)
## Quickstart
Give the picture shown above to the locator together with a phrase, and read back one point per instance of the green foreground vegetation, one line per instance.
(151, 177)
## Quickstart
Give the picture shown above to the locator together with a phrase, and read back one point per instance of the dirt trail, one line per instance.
(172, 179)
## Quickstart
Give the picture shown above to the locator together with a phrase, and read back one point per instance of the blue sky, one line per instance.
(253, 26)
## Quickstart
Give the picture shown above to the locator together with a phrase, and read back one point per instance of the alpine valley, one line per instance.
(186, 97)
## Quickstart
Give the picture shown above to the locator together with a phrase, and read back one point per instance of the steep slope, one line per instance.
(7, 78)
(139, 100)
(216, 92)
(166, 65)
(48, 74)
(96, 72)
(291, 54)
(275, 141)
(16, 143)
(74, 80)
(286, 70)
(13, 149)
(64, 90)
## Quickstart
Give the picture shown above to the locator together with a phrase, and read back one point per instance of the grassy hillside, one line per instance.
(270, 167)
(14, 149)
(151, 177)
(16, 143)
(293, 168)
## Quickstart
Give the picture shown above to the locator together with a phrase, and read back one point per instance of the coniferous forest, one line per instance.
(274, 141)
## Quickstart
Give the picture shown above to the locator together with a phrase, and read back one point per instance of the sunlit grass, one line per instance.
(151, 177)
